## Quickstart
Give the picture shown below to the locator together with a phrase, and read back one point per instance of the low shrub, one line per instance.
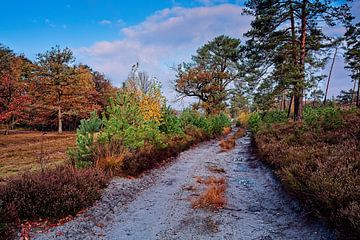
(319, 163)
(9, 221)
(54, 193)
(218, 123)
(243, 120)
(255, 122)
(327, 118)
(274, 116)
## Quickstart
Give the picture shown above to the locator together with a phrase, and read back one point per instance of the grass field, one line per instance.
(21, 151)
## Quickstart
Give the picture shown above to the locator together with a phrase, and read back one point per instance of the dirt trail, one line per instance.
(158, 205)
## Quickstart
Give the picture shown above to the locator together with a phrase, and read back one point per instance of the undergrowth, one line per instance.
(318, 161)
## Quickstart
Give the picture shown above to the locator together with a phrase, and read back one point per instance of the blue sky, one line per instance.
(111, 35)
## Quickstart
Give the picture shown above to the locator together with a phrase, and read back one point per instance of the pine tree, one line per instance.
(286, 45)
(352, 56)
(208, 76)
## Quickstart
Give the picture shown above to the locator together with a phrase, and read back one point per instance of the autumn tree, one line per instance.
(105, 90)
(147, 92)
(62, 88)
(352, 58)
(286, 45)
(14, 100)
(208, 77)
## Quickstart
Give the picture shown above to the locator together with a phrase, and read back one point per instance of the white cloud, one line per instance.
(162, 40)
(210, 2)
(171, 36)
(105, 22)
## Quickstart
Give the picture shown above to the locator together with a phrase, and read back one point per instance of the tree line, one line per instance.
(280, 62)
(277, 66)
(50, 92)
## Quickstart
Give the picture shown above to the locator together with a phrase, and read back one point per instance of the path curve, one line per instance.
(158, 205)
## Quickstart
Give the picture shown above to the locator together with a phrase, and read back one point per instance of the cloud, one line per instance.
(162, 40)
(210, 2)
(169, 37)
(105, 22)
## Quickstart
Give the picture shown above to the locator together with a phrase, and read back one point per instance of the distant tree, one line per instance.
(208, 76)
(352, 56)
(147, 90)
(105, 90)
(62, 88)
(345, 97)
(238, 103)
(14, 100)
(316, 95)
(286, 45)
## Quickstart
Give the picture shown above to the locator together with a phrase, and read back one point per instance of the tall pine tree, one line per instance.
(286, 45)
(352, 57)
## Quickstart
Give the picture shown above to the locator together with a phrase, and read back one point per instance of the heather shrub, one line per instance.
(54, 193)
(331, 118)
(9, 221)
(319, 163)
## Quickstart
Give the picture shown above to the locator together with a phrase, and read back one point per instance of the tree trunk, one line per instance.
(290, 105)
(357, 95)
(297, 106)
(298, 101)
(328, 81)
(353, 93)
(59, 120)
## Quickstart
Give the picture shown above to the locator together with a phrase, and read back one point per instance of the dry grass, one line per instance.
(226, 130)
(213, 197)
(239, 133)
(229, 143)
(20, 152)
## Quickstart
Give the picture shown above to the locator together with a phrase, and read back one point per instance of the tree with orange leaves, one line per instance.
(214, 68)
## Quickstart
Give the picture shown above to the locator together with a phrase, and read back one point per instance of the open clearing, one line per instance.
(21, 151)
(158, 205)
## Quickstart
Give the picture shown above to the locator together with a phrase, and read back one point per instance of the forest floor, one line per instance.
(20, 151)
(158, 205)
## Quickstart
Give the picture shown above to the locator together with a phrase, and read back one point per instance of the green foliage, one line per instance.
(212, 125)
(275, 116)
(83, 155)
(255, 122)
(326, 118)
(214, 66)
(170, 124)
(217, 124)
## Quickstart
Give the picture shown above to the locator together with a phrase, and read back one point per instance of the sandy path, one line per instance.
(158, 205)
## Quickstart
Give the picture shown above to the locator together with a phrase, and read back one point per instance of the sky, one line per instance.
(112, 35)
